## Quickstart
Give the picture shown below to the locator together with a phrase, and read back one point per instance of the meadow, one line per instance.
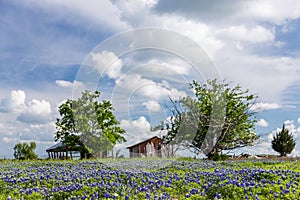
(150, 179)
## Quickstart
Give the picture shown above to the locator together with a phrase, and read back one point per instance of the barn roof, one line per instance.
(143, 142)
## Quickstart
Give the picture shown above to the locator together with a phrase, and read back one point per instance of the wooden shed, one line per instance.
(61, 151)
(147, 148)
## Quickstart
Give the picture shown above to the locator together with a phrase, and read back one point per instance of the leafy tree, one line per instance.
(218, 118)
(25, 151)
(283, 142)
(89, 124)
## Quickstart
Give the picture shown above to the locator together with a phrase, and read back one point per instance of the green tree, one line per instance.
(25, 151)
(89, 124)
(283, 142)
(218, 118)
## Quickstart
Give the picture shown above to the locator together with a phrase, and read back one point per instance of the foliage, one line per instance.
(283, 142)
(25, 151)
(218, 118)
(150, 179)
(88, 123)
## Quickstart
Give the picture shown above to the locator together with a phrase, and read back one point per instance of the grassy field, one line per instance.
(150, 179)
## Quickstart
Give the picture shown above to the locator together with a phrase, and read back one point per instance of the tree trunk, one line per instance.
(213, 154)
(82, 154)
(283, 154)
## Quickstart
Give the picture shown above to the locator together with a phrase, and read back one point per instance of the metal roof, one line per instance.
(142, 142)
(56, 146)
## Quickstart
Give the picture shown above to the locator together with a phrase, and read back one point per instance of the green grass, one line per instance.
(182, 178)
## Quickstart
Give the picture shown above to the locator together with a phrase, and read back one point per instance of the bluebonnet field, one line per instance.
(150, 179)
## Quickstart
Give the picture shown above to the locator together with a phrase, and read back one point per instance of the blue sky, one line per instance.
(44, 44)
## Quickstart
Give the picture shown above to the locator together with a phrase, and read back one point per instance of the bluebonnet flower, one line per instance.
(218, 196)
(194, 191)
(106, 195)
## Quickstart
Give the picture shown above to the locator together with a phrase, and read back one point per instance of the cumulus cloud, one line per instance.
(258, 72)
(39, 132)
(223, 30)
(152, 106)
(136, 127)
(277, 12)
(154, 67)
(13, 103)
(38, 111)
(262, 123)
(288, 122)
(291, 127)
(238, 11)
(270, 137)
(247, 34)
(148, 88)
(108, 63)
(136, 130)
(89, 12)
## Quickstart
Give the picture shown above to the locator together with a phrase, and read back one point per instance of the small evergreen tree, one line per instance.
(283, 142)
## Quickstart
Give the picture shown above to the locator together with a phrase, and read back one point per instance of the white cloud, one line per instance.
(198, 31)
(263, 147)
(9, 140)
(136, 130)
(247, 34)
(148, 88)
(223, 30)
(270, 137)
(268, 76)
(291, 127)
(8, 129)
(62, 83)
(139, 126)
(154, 68)
(295, 153)
(289, 122)
(201, 33)
(262, 123)
(39, 132)
(238, 11)
(215, 28)
(298, 120)
(107, 63)
(152, 106)
(90, 12)
(38, 111)
(13, 103)
(277, 12)
(68, 84)
(265, 106)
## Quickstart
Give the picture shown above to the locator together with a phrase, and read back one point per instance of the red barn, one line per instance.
(147, 148)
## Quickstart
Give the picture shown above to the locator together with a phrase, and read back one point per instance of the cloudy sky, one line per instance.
(52, 49)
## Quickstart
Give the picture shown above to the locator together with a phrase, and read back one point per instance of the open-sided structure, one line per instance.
(61, 151)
